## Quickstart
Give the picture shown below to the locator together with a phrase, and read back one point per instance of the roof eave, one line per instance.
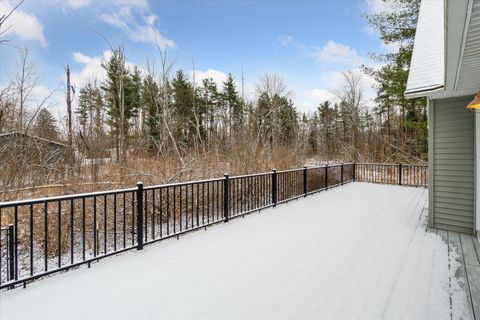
(424, 92)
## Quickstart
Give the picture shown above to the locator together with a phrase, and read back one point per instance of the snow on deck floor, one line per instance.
(355, 252)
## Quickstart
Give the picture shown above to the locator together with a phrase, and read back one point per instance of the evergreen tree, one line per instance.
(397, 27)
(149, 95)
(233, 104)
(121, 92)
(288, 121)
(183, 110)
(46, 126)
(210, 98)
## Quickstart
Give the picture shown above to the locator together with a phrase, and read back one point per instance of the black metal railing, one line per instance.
(414, 175)
(42, 236)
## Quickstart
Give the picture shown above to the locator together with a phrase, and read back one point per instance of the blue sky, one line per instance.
(308, 43)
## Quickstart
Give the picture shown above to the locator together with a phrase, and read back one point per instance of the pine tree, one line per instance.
(149, 99)
(121, 92)
(46, 126)
(397, 27)
(211, 99)
(182, 106)
(234, 106)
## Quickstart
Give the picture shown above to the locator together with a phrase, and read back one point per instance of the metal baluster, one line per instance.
(132, 198)
(225, 198)
(168, 211)
(83, 228)
(140, 215)
(59, 235)
(31, 241)
(124, 220)
(198, 203)
(153, 214)
(186, 207)
(71, 230)
(203, 204)
(161, 212)
(114, 222)
(94, 226)
(208, 201)
(145, 215)
(104, 224)
(181, 205)
(11, 253)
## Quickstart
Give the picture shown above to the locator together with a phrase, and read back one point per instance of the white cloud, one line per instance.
(331, 81)
(391, 47)
(218, 76)
(142, 4)
(285, 39)
(77, 4)
(145, 31)
(377, 6)
(320, 95)
(334, 80)
(22, 24)
(337, 53)
(92, 68)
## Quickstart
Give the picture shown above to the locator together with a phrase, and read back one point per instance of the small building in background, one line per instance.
(27, 160)
(29, 146)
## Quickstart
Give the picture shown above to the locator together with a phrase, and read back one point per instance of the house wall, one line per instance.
(452, 165)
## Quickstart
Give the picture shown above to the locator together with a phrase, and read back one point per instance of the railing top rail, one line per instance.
(290, 170)
(414, 165)
(14, 203)
(252, 175)
(378, 164)
(181, 184)
(393, 164)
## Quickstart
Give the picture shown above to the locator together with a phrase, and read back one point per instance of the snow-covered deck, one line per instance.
(361, 251)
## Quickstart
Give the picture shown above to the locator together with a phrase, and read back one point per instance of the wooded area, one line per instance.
(161, 125)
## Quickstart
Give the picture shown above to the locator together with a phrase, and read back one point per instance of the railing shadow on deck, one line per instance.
(39, 237)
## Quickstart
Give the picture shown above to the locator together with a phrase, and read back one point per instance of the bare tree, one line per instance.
(165, 96)
(3, 18)
(350, 96)
(270, 90)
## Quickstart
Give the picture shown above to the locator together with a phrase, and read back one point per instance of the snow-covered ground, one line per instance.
(360, 251)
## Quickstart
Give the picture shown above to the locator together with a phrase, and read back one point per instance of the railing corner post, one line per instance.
(305, 181)
(139, 215)
(353, 171)
(11, 253)
(341, 174)
(225, 197)
(326, 176)
(400, 174)
(274, 187)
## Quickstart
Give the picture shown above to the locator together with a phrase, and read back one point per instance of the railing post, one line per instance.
(341, 174)
(400, 174)
(139, 215)
(305, 181)
(274, 187)
(11, 259)
(326, 176)
(353, 171)
(225, 197)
